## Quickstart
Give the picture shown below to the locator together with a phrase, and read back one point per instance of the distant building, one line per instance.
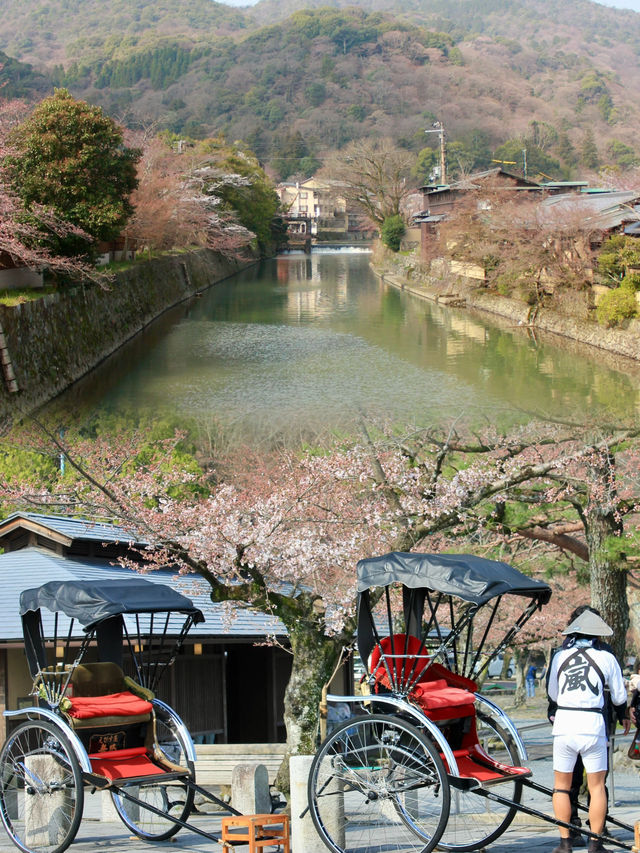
(601, 211)
(318, 209)
(120, 249)
(16, 276)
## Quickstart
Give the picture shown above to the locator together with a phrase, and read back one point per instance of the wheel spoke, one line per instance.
(41, 793)
(476, 821)
(377, 785)
(174, 799)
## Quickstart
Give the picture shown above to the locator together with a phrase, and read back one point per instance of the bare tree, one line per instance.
(372, 176)
(520, 242)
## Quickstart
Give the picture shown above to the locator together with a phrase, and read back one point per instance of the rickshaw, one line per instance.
(427, 761)
(91, 725)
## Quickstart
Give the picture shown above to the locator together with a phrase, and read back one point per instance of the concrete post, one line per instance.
(250, 789)
(45, 815)
(108, 812)
(304, 837)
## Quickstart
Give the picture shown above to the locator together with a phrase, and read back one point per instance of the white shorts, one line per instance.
(566, 749)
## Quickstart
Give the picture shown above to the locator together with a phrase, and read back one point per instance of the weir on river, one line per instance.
(304, 343)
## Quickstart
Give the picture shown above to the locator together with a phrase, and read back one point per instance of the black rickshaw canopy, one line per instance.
(431, 583)
(134, 612)
(473, 579)
(89, 602)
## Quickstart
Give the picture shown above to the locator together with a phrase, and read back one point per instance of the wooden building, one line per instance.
(226, 688)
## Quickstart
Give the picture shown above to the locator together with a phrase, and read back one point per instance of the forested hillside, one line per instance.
(64, 30)
(295, 78)
(20, 80)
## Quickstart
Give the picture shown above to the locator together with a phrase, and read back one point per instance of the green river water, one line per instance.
(301, 344)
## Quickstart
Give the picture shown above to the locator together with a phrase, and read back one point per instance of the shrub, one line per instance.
(392, 232)
(618, 254)
(615, 306)
(631, 281)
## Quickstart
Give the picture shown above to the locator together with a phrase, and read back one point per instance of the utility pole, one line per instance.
(438, 127)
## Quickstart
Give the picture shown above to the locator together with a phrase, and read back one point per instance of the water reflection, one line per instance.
(303, 343)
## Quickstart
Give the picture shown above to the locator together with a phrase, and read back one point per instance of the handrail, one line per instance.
(412, 711)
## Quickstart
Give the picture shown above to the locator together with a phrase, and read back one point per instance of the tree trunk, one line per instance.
(520, 657)
(608, 581)
(608, 576)
(314, 659)
(633, 596)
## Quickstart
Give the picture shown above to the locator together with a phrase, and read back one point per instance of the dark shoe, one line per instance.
(563, 847)
(596, 846)
(577, 839)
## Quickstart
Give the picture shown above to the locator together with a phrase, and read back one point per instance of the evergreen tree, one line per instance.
(69, 157)
(589, 152)
(565, 149)
(288, 153)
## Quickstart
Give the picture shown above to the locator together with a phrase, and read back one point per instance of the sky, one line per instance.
(622, 4)
(619, 4)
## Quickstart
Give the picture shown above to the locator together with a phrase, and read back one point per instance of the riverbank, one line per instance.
(623, 341)
(48, 344)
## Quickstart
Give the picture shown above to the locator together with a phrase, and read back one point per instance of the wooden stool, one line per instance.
(256, 830)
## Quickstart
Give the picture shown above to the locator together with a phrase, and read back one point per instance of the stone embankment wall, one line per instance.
(624, 340)
(51, 342)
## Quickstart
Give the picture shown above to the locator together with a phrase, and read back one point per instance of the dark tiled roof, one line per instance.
(602, 210)
(72, 528)
(31, 567)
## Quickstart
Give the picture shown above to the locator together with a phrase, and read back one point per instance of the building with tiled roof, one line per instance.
(208, 683)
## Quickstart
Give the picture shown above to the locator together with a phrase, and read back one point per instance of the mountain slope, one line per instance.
(61, 31)
(559, 75)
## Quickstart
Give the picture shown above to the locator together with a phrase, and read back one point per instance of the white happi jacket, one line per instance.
(577, 680)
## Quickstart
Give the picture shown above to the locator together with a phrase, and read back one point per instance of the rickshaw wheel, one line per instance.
(377, 783)
(475, 821)
(41, 789)
(174, 798)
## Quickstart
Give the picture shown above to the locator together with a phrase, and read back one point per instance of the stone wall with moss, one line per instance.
(51, 342)
(576, 324)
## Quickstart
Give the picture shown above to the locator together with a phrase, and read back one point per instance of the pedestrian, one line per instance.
(530, 682)
(578, 675)
(577, 780)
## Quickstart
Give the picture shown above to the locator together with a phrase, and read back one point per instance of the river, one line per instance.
(303, 344)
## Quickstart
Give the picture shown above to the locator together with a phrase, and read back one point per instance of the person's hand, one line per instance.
(626, 725)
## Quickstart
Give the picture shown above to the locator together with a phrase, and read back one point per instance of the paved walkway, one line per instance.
(530, 834)
(526, 834)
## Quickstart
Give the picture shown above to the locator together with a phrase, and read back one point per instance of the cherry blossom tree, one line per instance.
(283, 535)
(172, 208)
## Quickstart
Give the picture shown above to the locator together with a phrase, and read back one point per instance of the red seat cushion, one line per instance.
(124, 764)
(437, 694)
(112, 705)
(441, 693)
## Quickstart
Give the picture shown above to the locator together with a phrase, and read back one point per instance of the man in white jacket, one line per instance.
(579, 672)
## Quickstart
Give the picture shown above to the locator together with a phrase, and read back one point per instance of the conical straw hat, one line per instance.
(589, 624)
